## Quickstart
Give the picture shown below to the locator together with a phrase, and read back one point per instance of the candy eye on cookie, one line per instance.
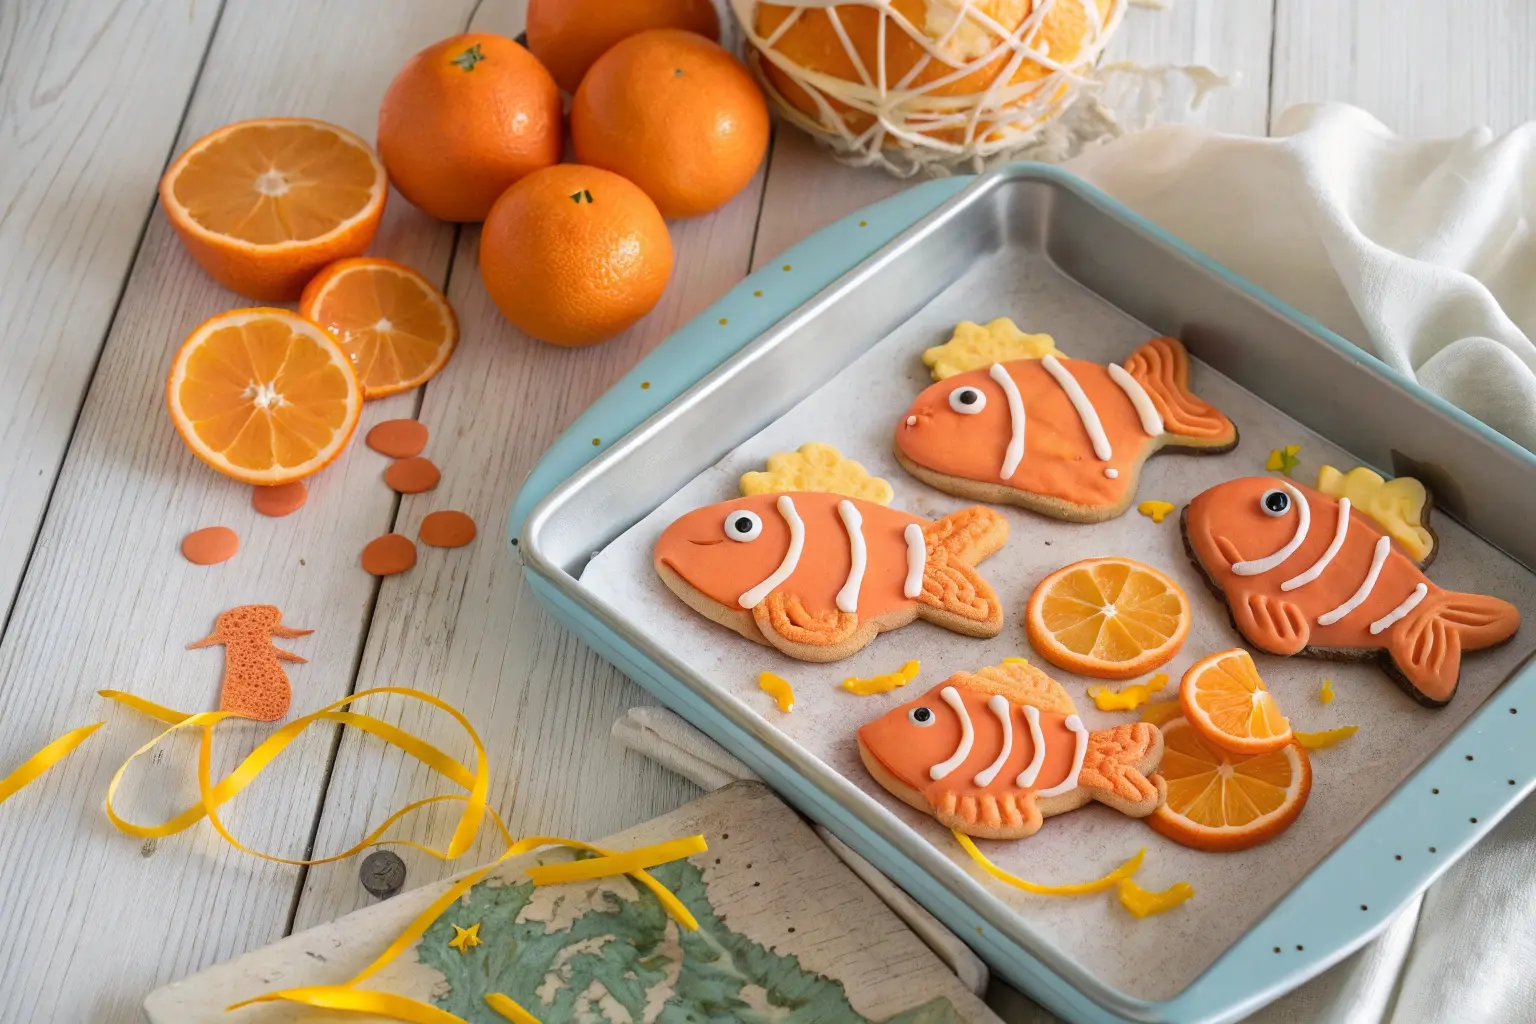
(968, 401)
(1275, 502)
(743, 526)
(921, 716)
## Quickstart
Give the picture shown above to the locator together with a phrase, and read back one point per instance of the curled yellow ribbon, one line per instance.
(33, 767)
(1125, 870)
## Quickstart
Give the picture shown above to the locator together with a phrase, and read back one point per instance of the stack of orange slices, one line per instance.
(1236, 776)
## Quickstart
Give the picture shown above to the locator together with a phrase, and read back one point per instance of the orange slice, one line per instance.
(1220, 801)
(263, 395)
(1226, 702)
(263, 205)
(397, 328)
(1110, 618)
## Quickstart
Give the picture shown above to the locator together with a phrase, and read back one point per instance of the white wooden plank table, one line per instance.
(96, 491)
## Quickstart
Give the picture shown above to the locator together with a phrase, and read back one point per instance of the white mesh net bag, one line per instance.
(935, 85)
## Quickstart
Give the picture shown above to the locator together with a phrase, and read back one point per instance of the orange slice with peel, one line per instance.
(263, 396)
(1110, 618)
(394, 325)
(1220, 801)
(262, 205)
(1226, 702)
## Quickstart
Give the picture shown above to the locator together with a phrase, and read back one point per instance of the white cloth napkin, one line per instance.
(1420, 251)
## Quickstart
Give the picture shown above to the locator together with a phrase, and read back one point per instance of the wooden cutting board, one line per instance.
(786, 932)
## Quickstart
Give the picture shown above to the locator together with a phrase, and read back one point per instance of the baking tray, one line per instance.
(1325, 384)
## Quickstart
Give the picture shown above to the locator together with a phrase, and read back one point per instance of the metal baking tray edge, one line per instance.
(1321, 920)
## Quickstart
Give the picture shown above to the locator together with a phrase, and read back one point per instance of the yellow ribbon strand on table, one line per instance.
(33, 767)
(1125, 870)
(348, 997)
(618, 864)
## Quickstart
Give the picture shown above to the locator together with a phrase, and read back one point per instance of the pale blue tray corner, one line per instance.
(1480, 774)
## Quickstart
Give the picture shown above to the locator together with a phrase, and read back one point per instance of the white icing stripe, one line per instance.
(1378, 559)
(754, 597)
(1079, 751)
(1027, 776)
(998, 705)
(1085, 410)
(917, 560)
(1151, 420)
(1303, 524)
(848, 597)
(1015, 452)
(1339, 533)
(1409, 604)
(951, 696)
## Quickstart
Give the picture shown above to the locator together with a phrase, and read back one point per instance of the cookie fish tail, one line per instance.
(1118, 767)
(1426, 646)
(954, 594)
(1161, 366)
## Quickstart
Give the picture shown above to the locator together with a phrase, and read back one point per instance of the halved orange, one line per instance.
(1226, 702)
(1110, 618)
(264, 204)
(263, 395)
(394, 325)
(1220, 801)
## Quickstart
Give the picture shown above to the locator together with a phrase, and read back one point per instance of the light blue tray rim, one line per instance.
(1481, 774)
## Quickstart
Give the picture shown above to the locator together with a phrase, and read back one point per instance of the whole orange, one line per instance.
(675, 114)
(573, 255)
(568, 35)
(464, 119)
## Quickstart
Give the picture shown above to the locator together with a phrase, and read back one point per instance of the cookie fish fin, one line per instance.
(786, 624)
(1161, 366)
(981, 813)
(1271, 623)
(968, 535)
(1118, 765)
(956, 597)
(1426, 645)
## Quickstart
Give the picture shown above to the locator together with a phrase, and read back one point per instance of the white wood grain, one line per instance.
(90, 98)
(92, 919)
(1424, 67)
(462, 626)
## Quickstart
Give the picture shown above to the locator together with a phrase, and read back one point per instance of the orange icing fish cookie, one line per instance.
(1303, 572)
(1061, 436)
(818, 576)
(992, 753)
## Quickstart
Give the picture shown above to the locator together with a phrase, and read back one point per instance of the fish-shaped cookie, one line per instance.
(1306, 573)
(818, 575)
(1061, 436)
(992, 753)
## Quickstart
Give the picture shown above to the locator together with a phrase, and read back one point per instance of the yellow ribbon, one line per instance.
(33, 767)
(1125, 870)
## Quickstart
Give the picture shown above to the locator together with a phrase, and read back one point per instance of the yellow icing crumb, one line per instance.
(974, 346)
(778, 688)
(1326, 693)
(1162, 713)
(1283, 460)
(1015, 661)
(881, 684)
(1398, 505)
(1129, 698)
(1157, 511)
(817, 467)
(1326, 738)
(1142, 903)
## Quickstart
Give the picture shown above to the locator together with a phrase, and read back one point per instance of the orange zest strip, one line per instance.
(33, 767)
(1142, 903)
(1125, 870)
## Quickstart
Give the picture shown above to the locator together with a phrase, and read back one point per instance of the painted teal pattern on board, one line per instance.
(617, 956)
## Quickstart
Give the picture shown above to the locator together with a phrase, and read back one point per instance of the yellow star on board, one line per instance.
(465, 939)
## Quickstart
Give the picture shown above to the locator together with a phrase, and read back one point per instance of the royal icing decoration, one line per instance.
(1259, 566)
(1090, 427)
(956, 750)
(1398, 506)
(1015, 450)
(1378, 559)
(917, 558)
(1340, 534)
(1410, 602)
(975, 346)
(786, 506)
(848, 597)
(817, 467)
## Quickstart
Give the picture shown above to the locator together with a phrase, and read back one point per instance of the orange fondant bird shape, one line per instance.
(255, 685)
